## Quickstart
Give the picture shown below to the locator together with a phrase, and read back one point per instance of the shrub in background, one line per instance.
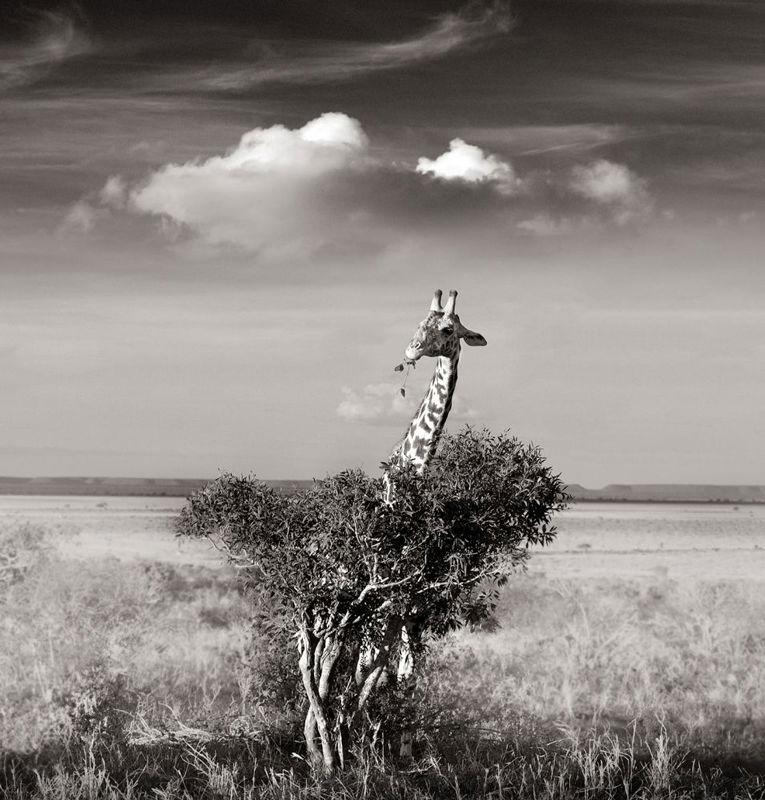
(22, 548)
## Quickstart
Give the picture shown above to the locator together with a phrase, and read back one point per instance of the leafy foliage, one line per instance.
(472, 517)
(352, 575)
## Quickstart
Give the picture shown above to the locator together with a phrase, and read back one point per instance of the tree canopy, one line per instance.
(349, 573)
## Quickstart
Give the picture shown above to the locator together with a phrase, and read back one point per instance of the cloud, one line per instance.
(55, 38)
(375, 402)
(613, 186)
(466, 162)
(320, 194)
(81, 217)
(88, 211)
(537, 139)
(604, 182)
(379, 403)
(267, 191)
(600, 194)
(333, 61)
(283, 192)
(114, 192)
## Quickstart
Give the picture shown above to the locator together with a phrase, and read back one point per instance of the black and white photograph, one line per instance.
(382, 388)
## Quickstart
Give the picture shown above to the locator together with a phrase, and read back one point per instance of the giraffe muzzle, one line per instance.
(411, 355)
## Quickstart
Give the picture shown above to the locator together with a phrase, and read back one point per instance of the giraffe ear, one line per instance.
(472, 338)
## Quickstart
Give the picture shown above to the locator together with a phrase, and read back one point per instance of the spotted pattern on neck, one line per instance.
(419, 444)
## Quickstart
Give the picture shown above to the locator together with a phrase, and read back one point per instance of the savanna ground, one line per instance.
(629, 662)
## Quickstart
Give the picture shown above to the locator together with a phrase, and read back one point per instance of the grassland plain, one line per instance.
(139, 675)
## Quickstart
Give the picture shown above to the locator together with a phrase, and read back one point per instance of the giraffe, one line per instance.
(437, 336)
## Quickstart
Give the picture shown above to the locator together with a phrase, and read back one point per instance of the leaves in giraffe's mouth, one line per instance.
(400, 368)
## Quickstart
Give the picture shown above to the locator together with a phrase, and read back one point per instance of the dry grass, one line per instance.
(136, 680)
(604, 655)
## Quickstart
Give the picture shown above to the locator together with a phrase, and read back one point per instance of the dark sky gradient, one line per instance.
(178, 321)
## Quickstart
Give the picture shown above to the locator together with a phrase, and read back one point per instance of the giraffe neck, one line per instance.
(421, 440)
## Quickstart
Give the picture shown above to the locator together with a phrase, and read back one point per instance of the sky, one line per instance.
(221, 222)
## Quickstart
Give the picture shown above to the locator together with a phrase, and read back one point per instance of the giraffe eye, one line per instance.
(448, 331)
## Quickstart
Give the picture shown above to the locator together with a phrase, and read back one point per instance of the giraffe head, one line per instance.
(440, 332)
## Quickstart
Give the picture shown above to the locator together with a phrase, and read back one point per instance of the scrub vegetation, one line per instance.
(364, 587)
(151, 680)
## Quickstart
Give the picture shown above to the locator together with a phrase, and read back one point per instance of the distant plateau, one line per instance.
(181, 487)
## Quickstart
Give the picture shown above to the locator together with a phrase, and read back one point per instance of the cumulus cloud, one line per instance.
(466, 162)
(333, 61)
(378, 403)
(318, 194)
(54, 38)
(266, 192)
(613, 186)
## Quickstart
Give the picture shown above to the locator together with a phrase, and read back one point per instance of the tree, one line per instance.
(365, 586)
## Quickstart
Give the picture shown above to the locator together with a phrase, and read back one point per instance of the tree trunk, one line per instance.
(309, 732)
(329, 655)
(330, 718)
(319, 723)
(377, 667)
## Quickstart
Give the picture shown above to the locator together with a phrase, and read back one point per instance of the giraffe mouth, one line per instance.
(411, 356)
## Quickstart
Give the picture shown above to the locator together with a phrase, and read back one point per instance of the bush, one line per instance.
(364, 586)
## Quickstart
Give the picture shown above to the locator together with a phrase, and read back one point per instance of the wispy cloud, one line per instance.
(319, 62)
(539, 139)
(54, 38)
(673, 89)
